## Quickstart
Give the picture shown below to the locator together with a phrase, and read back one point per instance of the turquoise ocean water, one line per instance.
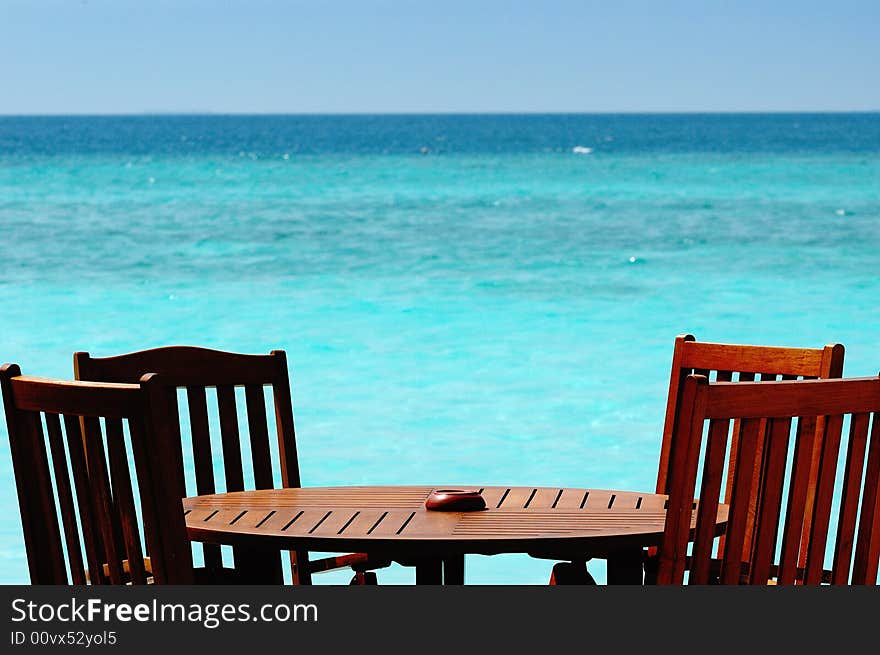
(463, 299)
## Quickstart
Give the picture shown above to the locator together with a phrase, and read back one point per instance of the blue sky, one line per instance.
(127, 56)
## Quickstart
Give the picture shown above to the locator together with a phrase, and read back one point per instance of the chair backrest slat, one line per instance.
(749, 358)
(66, 397)
(868, 539)
(771, 408)
(99, 480)
(284, 423)
(771, 499)
(197, 402)
(258, 429)
(179, 366)
(196, 369)
(199, 424)
(812, 428)
(232, 465)
(852, 482)
(758, 464)
(740, 514)
(123, 500)
(94, 545)
(823, 499)
(65, 499)
(735, 435)
(798, 492)
(716, 449)
(100, 501)
(173, 424)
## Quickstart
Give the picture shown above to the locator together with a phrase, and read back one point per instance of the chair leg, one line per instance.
(652, 565)
(571, 573)
(299, 566)
(453, 570)
(364, 578)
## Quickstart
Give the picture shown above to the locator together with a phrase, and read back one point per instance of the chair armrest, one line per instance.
(356, 561)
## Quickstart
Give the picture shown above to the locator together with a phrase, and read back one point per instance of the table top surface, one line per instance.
(544, 521)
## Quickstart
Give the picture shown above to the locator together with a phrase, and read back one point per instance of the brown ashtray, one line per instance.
(455, 500)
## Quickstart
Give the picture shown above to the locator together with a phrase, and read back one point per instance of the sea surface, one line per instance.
(463, 299)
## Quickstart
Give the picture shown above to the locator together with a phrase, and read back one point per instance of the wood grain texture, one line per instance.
(754, 359)
(849, 395)
(95, 553)
(743, 363)
(32, 481)
(105, 497)
(180, 366)
(36, 394)
(868, 540)
(197, 369)
(394, 520)
(65, 498)
(769, 408)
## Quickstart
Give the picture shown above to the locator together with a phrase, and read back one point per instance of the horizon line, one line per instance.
(208, 112)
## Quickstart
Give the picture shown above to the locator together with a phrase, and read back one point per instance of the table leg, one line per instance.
(429, 571)
(259, 565)
(625, 566)
(571, 573)
(453, 570)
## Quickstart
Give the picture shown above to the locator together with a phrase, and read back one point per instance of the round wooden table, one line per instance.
(392, 522)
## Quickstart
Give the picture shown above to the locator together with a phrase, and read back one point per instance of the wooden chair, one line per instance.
(100, 502)
(744, 363)
(194, 369)
(730, 362)
(784, 413)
